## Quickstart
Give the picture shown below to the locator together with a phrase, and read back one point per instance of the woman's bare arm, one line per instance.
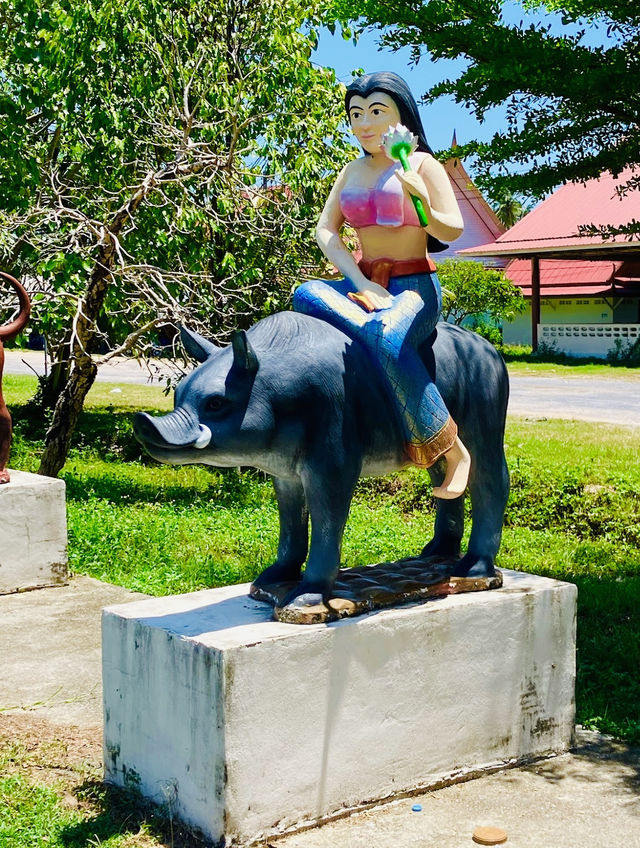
(432, 185)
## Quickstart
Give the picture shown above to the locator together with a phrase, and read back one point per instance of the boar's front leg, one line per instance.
(328, 487)
(294, 534)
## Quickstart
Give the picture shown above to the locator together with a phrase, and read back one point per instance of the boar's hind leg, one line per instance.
(489, 490)
(294, 534)
(449, 523)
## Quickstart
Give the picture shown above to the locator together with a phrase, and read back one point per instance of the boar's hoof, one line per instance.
(271, 593)
(474, 573)
(458, 585)
(474, 566)
(305, 609)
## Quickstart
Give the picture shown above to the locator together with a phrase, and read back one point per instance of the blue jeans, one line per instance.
(392, 337)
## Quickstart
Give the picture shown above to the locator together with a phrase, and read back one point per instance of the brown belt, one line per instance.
(381, 270)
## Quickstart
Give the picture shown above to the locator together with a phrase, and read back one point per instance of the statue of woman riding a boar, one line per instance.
(360, 379)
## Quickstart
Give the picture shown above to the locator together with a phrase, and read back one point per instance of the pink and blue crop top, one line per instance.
(384, 205)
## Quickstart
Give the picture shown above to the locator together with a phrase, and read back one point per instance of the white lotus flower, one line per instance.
(397, 138)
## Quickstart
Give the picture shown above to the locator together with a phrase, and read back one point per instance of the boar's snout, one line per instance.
(178, 429)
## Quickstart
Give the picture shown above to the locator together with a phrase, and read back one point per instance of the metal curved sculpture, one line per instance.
(7, 333)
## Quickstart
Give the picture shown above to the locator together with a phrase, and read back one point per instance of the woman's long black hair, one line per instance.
(393, 85)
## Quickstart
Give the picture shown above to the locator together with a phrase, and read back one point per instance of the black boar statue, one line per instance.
(300, 400)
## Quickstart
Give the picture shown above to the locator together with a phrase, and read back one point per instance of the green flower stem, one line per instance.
(400, 151)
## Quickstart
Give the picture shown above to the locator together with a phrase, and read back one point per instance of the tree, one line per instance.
(477, 291)
(509, 209)
(163, 162)
(573, 109)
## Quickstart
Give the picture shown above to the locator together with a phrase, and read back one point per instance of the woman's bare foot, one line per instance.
(457, 474)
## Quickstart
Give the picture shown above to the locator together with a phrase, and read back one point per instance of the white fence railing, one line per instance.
(587, 339)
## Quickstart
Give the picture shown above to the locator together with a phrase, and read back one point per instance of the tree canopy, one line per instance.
(159, 161)
(477, 292)
(571, 92)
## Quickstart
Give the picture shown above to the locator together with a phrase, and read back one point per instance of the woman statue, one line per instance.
(391, 299)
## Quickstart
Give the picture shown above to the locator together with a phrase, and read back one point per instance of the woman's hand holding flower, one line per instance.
(414, 184)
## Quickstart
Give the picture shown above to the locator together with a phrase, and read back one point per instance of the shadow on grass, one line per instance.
(105, 430)
(107, 462)
(227, 488)
(116, 812)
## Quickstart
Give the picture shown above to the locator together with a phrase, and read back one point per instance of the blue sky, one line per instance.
(443, 116)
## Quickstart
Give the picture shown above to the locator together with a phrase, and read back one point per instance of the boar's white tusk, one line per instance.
(204, 438)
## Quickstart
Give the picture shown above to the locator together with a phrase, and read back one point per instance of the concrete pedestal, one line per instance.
(33, 532)
(245, 727)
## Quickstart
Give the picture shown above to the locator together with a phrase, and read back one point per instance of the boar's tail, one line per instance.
(8, 331)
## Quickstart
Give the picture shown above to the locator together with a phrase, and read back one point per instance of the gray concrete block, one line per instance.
(33, 532)
(246, 727)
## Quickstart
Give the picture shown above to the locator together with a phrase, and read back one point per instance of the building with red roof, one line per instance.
(481, 224)
(583, 286)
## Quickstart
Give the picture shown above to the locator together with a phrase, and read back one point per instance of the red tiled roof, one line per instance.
(480, 221)
(553, 225)
(576, 278)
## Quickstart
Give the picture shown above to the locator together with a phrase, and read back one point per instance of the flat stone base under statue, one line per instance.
(246, 727)
(33, 532)
(373, 587)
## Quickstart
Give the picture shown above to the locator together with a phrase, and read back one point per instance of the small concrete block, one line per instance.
(33, 532)
(245, 727)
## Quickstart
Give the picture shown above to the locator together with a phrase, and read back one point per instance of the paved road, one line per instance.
(615, 401)
(117, 370)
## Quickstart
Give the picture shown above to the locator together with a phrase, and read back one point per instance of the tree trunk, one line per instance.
(83, 370)
(65, 417)
(52, 385)
(82, 341)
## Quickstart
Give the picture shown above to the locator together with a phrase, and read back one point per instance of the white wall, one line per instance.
(588, 339)
(557, 311)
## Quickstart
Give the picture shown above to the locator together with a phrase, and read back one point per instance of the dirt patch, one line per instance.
(61, 758)
(34, 744)
(68, 761)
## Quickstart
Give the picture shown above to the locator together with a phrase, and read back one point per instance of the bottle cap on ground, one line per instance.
(489, 836)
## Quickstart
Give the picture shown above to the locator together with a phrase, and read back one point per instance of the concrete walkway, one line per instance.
(614, 401)
(50, 650)
(50, 666)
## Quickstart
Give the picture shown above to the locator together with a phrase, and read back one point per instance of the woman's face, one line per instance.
(370, 118)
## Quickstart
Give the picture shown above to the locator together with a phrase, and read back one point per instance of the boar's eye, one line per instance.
(215, 403)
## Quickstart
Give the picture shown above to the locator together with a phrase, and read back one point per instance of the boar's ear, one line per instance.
(244, 356)
(196, 345)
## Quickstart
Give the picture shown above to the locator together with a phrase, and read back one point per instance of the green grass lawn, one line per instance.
(52, 797)
(573, 514)
(522, 362)
(589, 369)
